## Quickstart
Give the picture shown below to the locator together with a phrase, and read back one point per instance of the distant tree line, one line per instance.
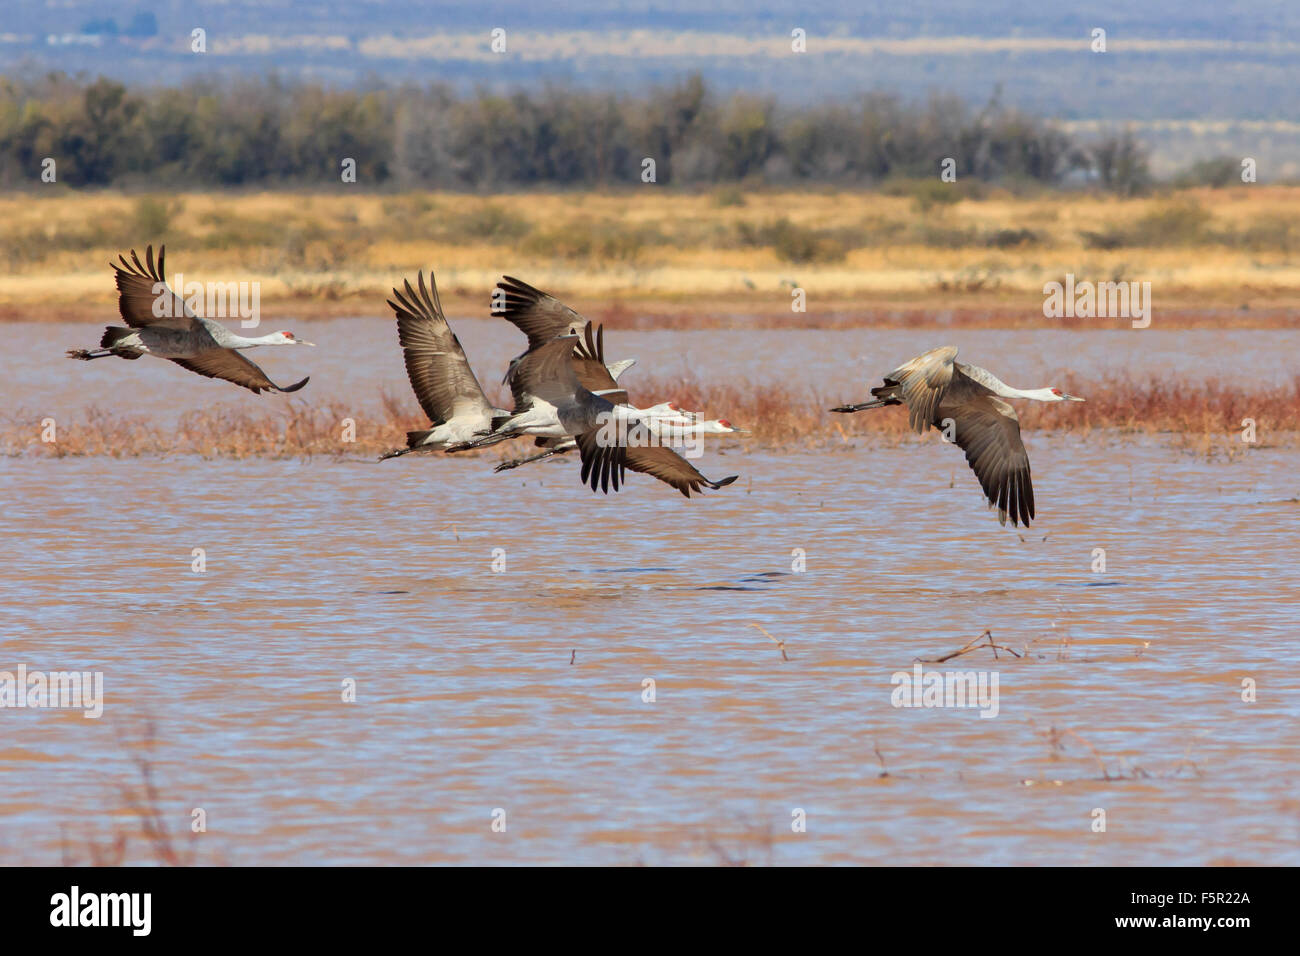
(268, 132)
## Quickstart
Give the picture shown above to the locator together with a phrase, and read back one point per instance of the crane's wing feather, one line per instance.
(233, 367)
(538, 315)
(440, 374)
(589, 362)
(145, 299)
(988, 430)
(546, 372)
(924, 381)
(671, 468)
(603, 464)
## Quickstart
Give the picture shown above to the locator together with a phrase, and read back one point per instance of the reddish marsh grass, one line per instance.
(755, 313)
(776, 415)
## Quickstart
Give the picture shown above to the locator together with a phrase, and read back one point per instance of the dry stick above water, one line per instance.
(971, 646)
(884, 770)
(780, 644)
(1056, 740)
(1056, 737)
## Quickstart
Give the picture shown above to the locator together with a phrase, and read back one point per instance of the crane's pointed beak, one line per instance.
(1072, 398)
(313, 345)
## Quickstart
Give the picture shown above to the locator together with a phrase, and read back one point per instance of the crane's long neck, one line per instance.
(234, 341)
(1037, 394)
(998, 387)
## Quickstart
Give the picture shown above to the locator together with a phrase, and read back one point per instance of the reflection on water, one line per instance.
(523, 690)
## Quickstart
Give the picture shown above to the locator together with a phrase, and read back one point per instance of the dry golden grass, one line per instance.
(1206, 416)
(677, 256)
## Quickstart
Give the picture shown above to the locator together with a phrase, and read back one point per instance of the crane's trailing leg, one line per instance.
(862, 405)
(516, 462)
(87, 354)
(880, 397)
(483, 442)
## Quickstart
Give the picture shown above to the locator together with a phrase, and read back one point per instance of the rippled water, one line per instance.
(523, 689)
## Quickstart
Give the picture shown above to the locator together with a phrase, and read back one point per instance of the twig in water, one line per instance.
(780, 644)
(573, 656)
(971, 646)
(1054, 738)
(884, 771)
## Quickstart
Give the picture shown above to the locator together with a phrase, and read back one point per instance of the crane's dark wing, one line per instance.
(988, 430)
(546, 372)
(923, 382)
(604, 466)
(233, 367)
(671, 468)
(145, 299)
(440, 374)
(538, 315)
(589, 365)
(603, 463)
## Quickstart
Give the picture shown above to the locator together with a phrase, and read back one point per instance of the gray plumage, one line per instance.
(162, 325)
(936, 389)
(439, 372)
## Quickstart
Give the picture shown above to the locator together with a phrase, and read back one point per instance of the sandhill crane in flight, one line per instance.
(189, 340)
(936, 388)
(551, 403)
(440, 374)
(542, 318)
(588, 360)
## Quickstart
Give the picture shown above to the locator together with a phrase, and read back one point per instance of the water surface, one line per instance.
(522, 690)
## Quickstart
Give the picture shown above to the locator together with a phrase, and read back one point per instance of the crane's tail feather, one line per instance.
(114, 334)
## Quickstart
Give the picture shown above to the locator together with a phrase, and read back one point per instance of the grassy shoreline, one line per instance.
(1206, 415)
(654, 257)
